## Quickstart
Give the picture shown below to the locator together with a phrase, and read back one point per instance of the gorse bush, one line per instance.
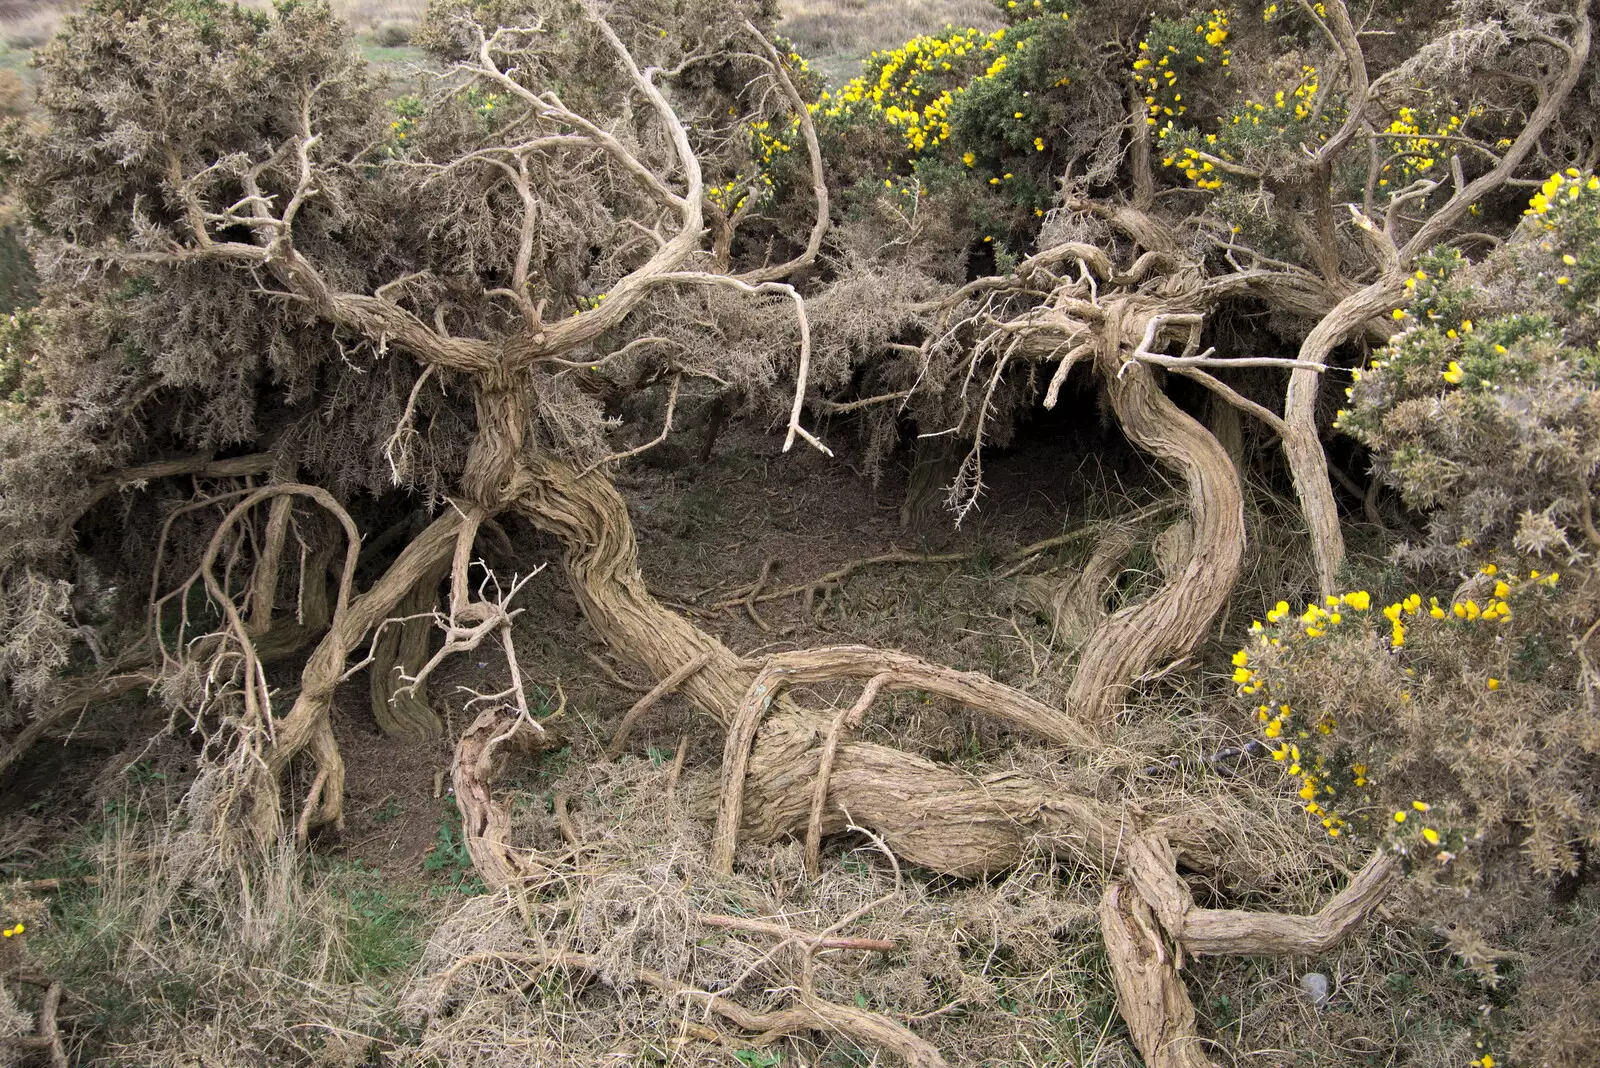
(312, 345)
(1455, 709)
(1484, 409)
(1462, 727)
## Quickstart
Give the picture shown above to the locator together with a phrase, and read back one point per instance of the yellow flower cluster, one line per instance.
(1414, 150)
(1303, 97)
(1569, 184)
(767, 146)
(1282, 724)
(1196, 167)
(770, 145)
(1271, 11)
(12, 932)
(903, 95)
(1156, 73)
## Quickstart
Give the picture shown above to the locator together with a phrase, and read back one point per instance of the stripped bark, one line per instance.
(1151, 866)
(1151, 998)
(485, 823)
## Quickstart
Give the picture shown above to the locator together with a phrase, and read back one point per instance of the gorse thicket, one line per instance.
(306, 337)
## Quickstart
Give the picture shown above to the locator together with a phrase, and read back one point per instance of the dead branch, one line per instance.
(485, 824)
(819, 184)
(1022, 556)
(666, 428)
(611, 673)
(558, 808)
(902, 672)
(755, 591)
(48, 1036)
(830, 746)
(76, 699)
(803, 366)
(471, 621)
(754, 594)
(47, 885)
(1151, 998)
(810, 938)
(645, 703)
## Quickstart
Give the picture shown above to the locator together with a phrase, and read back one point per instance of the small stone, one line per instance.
(1315, 986)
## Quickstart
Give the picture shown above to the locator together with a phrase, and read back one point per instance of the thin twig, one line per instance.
(830, 746)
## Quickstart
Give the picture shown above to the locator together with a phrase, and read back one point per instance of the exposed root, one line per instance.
(830, 746)
(1152, 869)
(1151, 998)
(47, 1036)
(485, 824)
(898, 671)
(399, 651)
(756, 593)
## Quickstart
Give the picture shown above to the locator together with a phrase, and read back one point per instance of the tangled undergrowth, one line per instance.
(328, 382)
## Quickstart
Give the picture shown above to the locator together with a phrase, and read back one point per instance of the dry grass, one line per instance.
(856, 27)
(309, 962)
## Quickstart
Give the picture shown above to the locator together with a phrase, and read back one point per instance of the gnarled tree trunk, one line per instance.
(931, 815)
(1172, 621)
(402, 709)
(1301, 442)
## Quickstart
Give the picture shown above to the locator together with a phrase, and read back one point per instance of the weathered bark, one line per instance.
(1151, 998)
(1151, 867)
(887, 670)
(929, 814)
(1228, 428)
(305, 727)
(601, 560)
(1076, 604)
(933, 466)
(1302, 443)
(1175, 619)
(400, 709)
(485, 823)
(1172, 549)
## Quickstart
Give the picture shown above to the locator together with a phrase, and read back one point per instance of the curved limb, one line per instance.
(306, 722)
(399, 651)
(1175, 619)
(1151, 997)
